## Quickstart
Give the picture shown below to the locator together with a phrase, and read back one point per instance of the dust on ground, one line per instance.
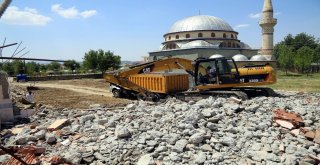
(74, 94)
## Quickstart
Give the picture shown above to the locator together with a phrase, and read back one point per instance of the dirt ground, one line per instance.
(74, 94)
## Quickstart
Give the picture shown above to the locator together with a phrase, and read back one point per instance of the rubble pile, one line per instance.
(209, 131)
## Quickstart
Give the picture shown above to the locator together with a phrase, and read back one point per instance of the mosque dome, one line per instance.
(258, 58)
(240, 57)
(196, 43)
(199, 23)
(216, 56)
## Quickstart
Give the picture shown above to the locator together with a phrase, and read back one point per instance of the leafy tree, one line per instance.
(72, 65)
(32, 68)
(54, 66)
(8, 67)
(43, 67)
(304, 39)
(316, 55)
(18, 66)
(303, 58)
(285, 57)
(101, 60)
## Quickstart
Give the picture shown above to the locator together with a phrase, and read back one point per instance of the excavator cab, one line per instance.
(216, 71)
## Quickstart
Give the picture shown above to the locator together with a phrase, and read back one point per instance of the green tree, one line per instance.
(303, 59)
(285, 58)
(101, 60)
(316, 55)
(8, 67)
(303, 39)
(18, 66)
(54, 66)
(43, 68)
(32, 68)
(72, 65)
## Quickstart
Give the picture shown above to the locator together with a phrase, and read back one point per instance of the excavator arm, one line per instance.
(120, 78)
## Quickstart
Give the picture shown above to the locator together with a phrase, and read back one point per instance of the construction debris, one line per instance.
(208, 131)
(288, 117)
(317, 136)
(57, 124)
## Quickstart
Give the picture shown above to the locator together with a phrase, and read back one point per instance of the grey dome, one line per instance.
(200, 22)
(216, 56)
(196, 43)
(240, 57)
(244, 45)
(258, 58)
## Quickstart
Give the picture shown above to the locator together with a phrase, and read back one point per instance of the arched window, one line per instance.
(200, 35)
(231, 35)
(235, 36)
(187, 35)
(229, 44)
(169, 37)
(213, 35)
(177, 36)
(174, 46)
(224, 35)
(234, 45)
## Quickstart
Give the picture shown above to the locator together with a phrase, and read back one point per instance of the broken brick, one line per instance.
(317, 136)
(295, 120)
(285, 124)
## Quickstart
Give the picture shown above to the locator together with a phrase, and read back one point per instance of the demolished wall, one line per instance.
(6, 109)
(4, 85)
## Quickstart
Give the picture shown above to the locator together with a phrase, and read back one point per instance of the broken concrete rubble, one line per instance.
(208, 131)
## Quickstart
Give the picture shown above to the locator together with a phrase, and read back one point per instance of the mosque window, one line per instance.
(174, 46)
(231, 35)
(187, 35)
(224, 35)
(213, 35)
(200, 35)
(169, 37)
(177, 36)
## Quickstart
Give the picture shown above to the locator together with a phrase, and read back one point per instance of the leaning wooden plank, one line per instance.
(57, 124)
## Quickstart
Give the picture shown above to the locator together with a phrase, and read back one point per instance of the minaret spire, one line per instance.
(267, 24)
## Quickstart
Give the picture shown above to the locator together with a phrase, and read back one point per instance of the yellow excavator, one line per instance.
(210, 77)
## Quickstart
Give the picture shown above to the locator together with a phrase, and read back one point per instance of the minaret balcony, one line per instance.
(268, 21)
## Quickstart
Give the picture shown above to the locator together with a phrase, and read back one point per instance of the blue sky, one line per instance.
(58, 29)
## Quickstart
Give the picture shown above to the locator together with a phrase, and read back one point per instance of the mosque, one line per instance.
(207, 36)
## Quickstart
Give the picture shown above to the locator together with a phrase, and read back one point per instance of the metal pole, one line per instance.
(16, 48)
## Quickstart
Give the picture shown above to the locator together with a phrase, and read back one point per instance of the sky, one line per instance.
(60, 29)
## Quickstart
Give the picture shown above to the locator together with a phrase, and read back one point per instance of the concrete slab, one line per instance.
(1, 93)
(317, 136)
(6, 110)
(57, 124)
(285, 124)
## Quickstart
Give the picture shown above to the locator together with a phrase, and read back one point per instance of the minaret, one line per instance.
(267, 23)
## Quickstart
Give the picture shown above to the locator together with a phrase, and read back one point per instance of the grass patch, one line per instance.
(297, 82)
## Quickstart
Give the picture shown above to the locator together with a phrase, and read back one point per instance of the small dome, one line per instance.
(244, 45)
(216, 56)
(200, 22)
(240, 57)
(258, 58)
(196, 43)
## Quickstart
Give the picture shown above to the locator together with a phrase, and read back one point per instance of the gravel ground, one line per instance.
(209, 131)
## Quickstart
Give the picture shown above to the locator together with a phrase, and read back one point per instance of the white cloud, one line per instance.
(241, 26)
(72, 12)
(28, 16)
(255, 16)
(258, 15)
(277, 13)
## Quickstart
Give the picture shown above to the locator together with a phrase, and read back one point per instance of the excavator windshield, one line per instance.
(215, 71)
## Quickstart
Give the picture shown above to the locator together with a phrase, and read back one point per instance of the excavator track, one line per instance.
(196, 95)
